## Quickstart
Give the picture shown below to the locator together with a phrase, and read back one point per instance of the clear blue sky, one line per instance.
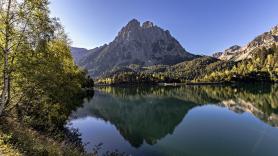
(201, 26)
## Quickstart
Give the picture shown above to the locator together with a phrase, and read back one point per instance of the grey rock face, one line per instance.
(232, 49)
(217, 54)
(144, 45)
(78, 53)
(266, 40)
(274, 31)
(147, 25)
(230, 52)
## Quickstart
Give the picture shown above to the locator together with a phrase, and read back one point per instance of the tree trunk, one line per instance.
(5, 91)
(6, 83)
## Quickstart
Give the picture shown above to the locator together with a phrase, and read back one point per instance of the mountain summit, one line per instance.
(135, 44)
(237, 53)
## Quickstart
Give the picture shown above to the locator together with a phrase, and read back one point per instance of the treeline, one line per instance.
(262, 66)
(188, 71)
(40, 84)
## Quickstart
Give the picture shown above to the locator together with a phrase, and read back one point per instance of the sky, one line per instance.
(201, 26)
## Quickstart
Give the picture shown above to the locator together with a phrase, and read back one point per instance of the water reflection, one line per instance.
(182, 120)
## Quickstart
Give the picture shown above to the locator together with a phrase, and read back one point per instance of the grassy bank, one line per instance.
(7, 149)
(17, 139)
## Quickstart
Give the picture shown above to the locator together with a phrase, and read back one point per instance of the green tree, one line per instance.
(23, 24)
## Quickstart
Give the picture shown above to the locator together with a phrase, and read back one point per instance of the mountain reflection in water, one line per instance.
(164, 120)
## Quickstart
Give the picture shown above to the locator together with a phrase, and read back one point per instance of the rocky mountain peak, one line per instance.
(217, 54)
(134, 26)
(145, 45)
(147, 24)
(265, 40)
(274, 30)
(228, 53)
(134, 23)
(232, 49)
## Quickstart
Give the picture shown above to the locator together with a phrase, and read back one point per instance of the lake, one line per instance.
(217, 120)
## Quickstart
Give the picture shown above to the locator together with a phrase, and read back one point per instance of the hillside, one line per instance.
(237, 53)
(78, 53)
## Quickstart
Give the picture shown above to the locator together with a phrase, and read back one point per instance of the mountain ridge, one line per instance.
(148, 54)
(237, 53)
(143, 45)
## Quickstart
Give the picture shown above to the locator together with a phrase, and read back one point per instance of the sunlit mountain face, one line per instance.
(137, 44)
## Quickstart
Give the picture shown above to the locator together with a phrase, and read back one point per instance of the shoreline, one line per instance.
(191, 83)
(163, 84)
(183, 84)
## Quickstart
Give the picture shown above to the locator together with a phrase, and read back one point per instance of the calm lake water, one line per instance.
(238, 120)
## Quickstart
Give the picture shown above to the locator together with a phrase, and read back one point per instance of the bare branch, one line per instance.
(23, 30)
(2, 31)
(21, 37)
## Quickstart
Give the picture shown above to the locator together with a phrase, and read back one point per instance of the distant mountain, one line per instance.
(135, 44)
(257, 61)
(217, 54)
(78, 53)
(227, 54)
(148, 54)
(237, 53)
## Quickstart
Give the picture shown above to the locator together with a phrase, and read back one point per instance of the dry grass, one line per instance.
(16, 139)
(5, 148)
